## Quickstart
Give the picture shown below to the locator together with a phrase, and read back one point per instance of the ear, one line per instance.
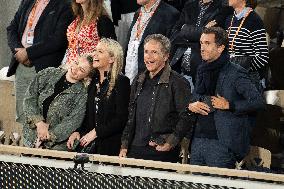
(166, 57)
(221, 48)
(111, 60)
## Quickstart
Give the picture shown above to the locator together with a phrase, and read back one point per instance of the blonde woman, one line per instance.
(107, 104)
(90, 25)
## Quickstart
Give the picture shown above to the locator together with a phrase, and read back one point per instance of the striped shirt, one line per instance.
(250, 41)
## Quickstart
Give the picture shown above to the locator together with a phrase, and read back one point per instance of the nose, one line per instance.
(201, 47)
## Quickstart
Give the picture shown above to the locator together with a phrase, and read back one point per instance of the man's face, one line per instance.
(154, 57)
(143, 2)
(209, 49)
(235, 3)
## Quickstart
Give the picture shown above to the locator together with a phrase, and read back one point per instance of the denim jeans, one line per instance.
(210, 152)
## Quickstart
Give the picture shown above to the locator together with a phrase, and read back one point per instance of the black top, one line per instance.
(111, 117)
(144, 103)
(60, 86)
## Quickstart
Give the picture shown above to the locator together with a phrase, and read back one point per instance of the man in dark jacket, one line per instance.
(37, 39)
(154, 17)
(185, 52)
(223, 97)
(158, 97)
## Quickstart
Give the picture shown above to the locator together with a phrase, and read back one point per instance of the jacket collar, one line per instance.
(75, 88)
(165, 77)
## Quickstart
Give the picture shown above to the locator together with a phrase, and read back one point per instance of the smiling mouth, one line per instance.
(95, 60)
(149, 62)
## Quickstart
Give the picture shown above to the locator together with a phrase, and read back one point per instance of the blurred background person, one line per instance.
(154, 17)
(91, 23)
(247, 40)
(185, 52)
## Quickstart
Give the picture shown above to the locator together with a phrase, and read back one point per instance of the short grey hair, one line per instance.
(164, 41)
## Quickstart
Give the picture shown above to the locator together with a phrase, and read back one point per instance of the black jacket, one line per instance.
(167, 114)
(119, 7)
(186, 34)
(106, 27)
(160, 23)
(112, 116)
(50, 40)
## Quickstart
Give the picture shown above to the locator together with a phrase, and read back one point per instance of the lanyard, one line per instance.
(238, 30)
(33, 14)
(140, 27)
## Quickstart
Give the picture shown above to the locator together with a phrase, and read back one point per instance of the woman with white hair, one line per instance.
(107, 104)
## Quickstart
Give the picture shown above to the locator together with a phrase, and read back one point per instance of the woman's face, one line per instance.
(102, 59)
(80, 70)
(81, 1)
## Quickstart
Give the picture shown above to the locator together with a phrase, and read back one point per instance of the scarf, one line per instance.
(208, 74)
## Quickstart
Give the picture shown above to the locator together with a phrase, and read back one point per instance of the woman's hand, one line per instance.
(122, 153)
(72, 138)
(88, 138)
(42, 130)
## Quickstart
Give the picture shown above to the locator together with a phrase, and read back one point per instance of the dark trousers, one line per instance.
(150, 153)
(210, 152)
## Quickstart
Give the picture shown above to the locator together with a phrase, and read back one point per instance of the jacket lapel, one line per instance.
(221, 79)
(25, 19)
(46, 11)
(152, 22)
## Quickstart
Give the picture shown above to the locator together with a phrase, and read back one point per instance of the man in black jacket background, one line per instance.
(196, 14)
(154, 17)
(37, 39)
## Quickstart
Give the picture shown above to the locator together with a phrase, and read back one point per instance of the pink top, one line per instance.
(83, 41)
(34, 16)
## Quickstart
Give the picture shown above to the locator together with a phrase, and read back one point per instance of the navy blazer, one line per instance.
(161, 22)
(50, 41)
(233, 126)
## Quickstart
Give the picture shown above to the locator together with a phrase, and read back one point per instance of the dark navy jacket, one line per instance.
(161, 22)
(50, 41)
(233, 126)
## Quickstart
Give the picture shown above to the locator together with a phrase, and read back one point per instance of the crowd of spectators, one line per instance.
(194, 69)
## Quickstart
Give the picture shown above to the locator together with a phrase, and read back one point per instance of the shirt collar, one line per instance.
(151, 8)
(242, 13)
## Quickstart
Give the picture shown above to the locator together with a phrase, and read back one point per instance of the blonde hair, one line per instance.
(95, 9)
(114, 49)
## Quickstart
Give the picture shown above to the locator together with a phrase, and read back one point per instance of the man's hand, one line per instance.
(162, 147)
(199, 107)
(21, 55)
(220, 103)
(72, 138)
(88, 138)
(211, 24)
(27, 63)
(122, 153)
(42, 130)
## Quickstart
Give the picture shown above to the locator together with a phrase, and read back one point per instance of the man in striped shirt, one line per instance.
(247, 40)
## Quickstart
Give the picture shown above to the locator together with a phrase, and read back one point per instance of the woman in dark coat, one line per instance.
(107, 105)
